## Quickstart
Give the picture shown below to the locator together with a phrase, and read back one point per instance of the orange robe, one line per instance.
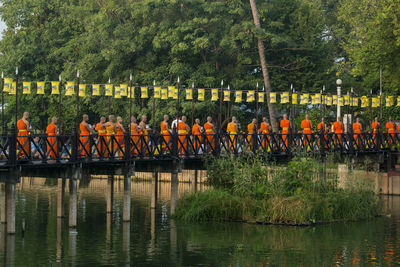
(232, 130)
(101, 131)
(52, 149)
(357, 134)
(166, 135)
(110, 132)
(264, 130)
(134, 138)
(374, 127)
(196, 132)
(182, 132)
(144, 140)
(250, 133)
(391, 131)
(84, 146)
(120, 136)
(306, 126)
(285, 130)
(210, 135)
(23, 148)
(338, 130)
(321, 128)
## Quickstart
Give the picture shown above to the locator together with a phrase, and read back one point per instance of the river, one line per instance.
(153, 239)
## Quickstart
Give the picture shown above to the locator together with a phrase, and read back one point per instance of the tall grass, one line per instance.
(300, 192)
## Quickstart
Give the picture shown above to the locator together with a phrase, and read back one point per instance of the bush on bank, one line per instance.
(301, 192)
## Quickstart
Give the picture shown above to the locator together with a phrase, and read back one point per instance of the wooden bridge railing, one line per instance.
(72, 148)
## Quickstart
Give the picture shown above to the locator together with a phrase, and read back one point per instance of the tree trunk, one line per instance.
(264, 68)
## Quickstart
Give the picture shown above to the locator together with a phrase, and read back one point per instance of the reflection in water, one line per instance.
(153, 239)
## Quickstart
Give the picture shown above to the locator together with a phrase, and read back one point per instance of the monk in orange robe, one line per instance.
(166, 134)
(210, 132)
(183, 130)
(337, 128)
(134, 136)
(101, 133)
(23, 144)
(196, 134)
(264, 130)
(84, 146)
(375, 126)
(52, 132)
(306, 125)
(251, 129)
(144, 131)
(110, 132)
(391, 128)
(120, 136)
(232, 131)
(322, 129)
(357, 130)
(285, 124)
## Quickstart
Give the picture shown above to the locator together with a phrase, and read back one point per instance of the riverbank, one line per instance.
(300, 193)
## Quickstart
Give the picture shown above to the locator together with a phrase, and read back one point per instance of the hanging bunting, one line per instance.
(312, 99)
(82, 90)
(335, 100)
(200, 94)
(157, 92)
(329, 100)
(131, 92)
(95, 89)
(284, 97)
(7, 84)
(13, 90)
(109, 89)
(123, 89)
(341, 101)
(40, 88)
(346, 100)
(55, 88)
(227, 95)
(238, 96)
(26, 88)
(164, 93)
(294, 99)
(354, 102)
(214, 94)
(117, 92)
(317, 99)
(272, 97)
(304, 98)
(175, 93)
(171, 91)
(389, 101)
(189, 93)
(144, 92)
(398, 101)
(364, 101)
(250, 96)
(374, 102)
(261, 97)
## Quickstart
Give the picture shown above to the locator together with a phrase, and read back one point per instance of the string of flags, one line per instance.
(171, 92)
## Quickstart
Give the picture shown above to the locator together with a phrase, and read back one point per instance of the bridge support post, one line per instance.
(154, 186)
(60, 197)
(3, 203)
(126, 241)
(194, 181)
(152, 231)
(72, 202)
(59, 241)
(110, 193)
(174, 191)
(10, 204)
(127, 198)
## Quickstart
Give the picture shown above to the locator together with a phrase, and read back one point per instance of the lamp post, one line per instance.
(130, 100)
(263, 106)
(2, 104)
(380, 93)
(229, 102)
(323, 101)
(192, 105)
(109, 99)
(16, 95)
(154, 107)
(338, 83)
(220, 108)
(257, 102)
(77, 99)
(59, 98)
(291, 109)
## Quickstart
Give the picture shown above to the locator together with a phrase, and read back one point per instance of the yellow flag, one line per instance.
(329, 100)
(95, 89)
(26, 88)
(157, 92)
(238, 96)
(13, 90)
(334, 99)
(200, 94)
(341, 101)
(398, 101)
(7, 84)
(131, 92)
(40, 88)
(354, 102)
(117, 92)
(389, 101)
(312, 99)
(304, 98)
(164, 93)
(144, 93)
(82, 90)
(189, 94)
(374, 102)
(284, 97)
(171, 91)
(175, 93)
(346, 100)
(69, 89)
(272, 97)
(261, 97)
(227, 95)
(214, 94)
(364, 102)
(294, 99)
(317, 98)
(124, 89)
(109, 89)
(55, 88)
(250, 96)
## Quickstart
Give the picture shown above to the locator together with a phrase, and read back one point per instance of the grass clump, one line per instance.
(301, 192)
